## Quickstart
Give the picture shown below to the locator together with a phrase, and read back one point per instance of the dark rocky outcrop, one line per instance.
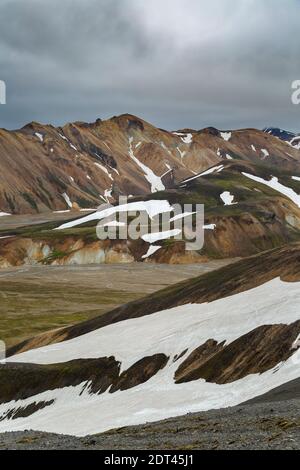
(253, 353)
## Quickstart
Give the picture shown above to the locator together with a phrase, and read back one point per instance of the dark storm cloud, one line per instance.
(177, 63)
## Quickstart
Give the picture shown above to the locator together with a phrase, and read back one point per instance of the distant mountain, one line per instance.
(290, 137)
(280, 133)
(81, 165)
(210, 342)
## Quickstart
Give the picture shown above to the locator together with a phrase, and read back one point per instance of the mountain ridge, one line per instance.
(81, 165)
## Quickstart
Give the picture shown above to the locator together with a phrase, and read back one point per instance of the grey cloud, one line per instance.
(228, 63)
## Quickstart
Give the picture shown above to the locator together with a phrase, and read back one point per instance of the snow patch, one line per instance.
(40, 136)
(274, 184)
(265, 153)
(152, 207)
(214, 169)
(104, 169)
(295, 143)
(115, 170)
(108, 194)
(186, 138)
(166, 173)
(63, 137)
(181, 153)
(226, 136)
(67, 199)
(227, 198)
(296, 343)
(154, 180)
(151, 250)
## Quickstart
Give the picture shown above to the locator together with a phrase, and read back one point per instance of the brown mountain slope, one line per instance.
(45, 168)
(259, 218)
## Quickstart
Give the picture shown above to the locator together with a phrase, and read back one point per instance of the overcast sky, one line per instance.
(175, 63)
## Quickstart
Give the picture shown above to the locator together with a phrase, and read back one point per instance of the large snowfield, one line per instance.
(170, 332)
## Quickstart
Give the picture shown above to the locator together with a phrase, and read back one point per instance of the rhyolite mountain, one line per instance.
(249, 208)
(248, 181)
(46, 168)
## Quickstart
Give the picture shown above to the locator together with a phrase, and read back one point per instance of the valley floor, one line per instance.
(256, 426)
(35, 299)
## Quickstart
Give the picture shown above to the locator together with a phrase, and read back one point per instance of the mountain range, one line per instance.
(248, 181)
(81, 165)
(214, 341)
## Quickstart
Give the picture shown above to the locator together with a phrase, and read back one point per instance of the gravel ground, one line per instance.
(274, 425)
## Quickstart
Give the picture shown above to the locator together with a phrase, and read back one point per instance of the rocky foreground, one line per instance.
(256, 426)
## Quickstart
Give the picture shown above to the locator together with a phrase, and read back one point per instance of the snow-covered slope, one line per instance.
(185, 327)
(187, 358)
(274, 184)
